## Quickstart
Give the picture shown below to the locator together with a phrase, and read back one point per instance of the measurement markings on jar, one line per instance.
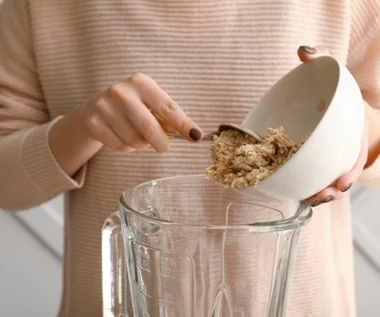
(167, 298)
(143, 261)
(166, 266)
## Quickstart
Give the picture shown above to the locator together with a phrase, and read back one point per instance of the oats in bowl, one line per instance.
(240, 161)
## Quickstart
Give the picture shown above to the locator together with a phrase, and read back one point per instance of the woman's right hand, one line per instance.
(128, 116)
(134, 114)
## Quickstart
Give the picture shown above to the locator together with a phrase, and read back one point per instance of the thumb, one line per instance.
(307, 53)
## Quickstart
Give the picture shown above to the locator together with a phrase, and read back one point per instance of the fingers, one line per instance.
(345, 182)
(150, 111)
(139, 116)
(136, 113)
(165, 107)
(342, 185)
(307, 53)
(120, 125)
(102, 132)
(327, 195)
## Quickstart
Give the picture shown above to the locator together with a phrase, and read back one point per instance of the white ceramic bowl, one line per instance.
(321, 97)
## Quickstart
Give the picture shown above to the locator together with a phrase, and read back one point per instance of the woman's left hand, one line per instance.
(343, 184)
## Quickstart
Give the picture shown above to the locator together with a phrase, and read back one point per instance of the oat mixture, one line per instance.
(240, 161)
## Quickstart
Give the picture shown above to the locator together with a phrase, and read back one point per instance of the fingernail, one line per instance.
(346, 188)
(308, 49)
(315, 203)
(195, 134)
(329, 198)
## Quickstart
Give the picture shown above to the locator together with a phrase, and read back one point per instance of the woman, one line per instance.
(87, 90)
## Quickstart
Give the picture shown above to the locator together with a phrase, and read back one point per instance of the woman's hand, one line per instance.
(343, 184)
(134, 114)
(128, 116)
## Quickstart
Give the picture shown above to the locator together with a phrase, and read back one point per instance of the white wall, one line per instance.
(367, 286)
(366, 220)
(30, 275)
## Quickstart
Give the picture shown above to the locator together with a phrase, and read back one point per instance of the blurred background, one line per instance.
(31, 248)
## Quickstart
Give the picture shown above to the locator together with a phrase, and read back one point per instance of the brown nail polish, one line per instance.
(329, 198)
(195, 134)
(346, 188)
(308, 49)
(315, 203)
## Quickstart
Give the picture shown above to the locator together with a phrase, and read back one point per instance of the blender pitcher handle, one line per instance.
(114, 276)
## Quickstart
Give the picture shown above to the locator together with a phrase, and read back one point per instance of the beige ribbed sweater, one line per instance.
(216, 58)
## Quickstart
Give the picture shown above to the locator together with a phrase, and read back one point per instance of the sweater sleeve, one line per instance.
(29, 173)
(364, 63)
